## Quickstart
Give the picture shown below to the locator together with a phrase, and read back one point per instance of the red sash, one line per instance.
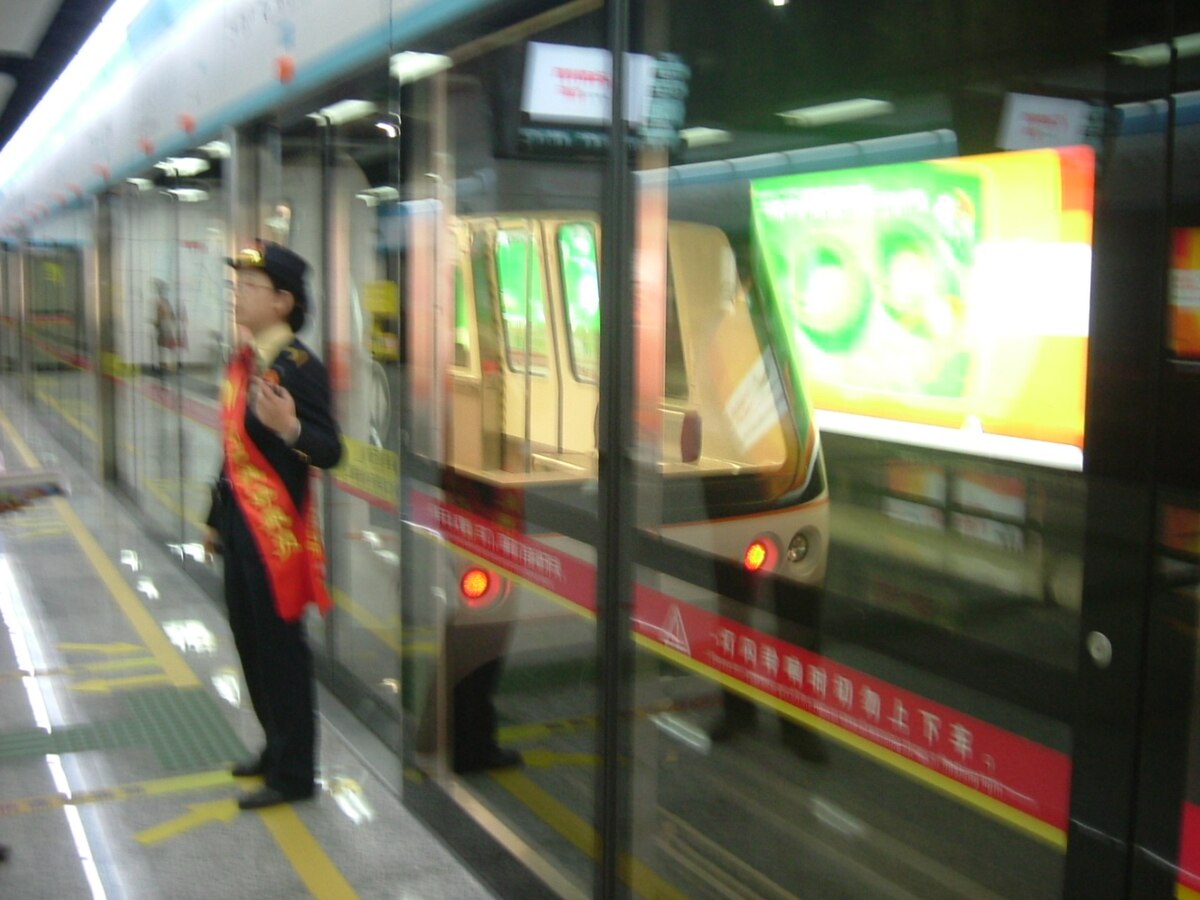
(290, 545)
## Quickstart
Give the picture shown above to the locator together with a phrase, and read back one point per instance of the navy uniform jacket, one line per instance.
(303, 376)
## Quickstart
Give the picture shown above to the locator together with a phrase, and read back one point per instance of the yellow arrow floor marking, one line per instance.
(307, 857)
(199, 814)
(117, 665)
(157, 787)
(111, 665)
(108, 685)
(118, 649)
(148, 630)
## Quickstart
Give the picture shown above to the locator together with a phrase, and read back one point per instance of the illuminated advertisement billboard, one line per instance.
(942, 303)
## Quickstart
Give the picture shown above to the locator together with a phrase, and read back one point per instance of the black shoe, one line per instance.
(499, 758)
(3, 852)
(248, 768)
(268, 796)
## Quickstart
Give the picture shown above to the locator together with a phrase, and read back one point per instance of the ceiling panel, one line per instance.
(23, 24)
(37, 40)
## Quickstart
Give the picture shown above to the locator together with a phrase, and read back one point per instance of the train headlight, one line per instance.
(760, 555)
(476, 587)
(797, 549)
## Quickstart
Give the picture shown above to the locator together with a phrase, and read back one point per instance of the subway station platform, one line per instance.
(122, 706)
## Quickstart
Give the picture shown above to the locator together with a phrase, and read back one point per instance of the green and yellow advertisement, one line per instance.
(950, 293)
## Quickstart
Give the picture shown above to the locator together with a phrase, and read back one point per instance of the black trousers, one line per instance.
(276, 659)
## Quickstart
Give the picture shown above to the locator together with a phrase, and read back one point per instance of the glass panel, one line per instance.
(862, 539)
(10, 350)
(362, 347)
(1169, 794)
(202, 326)
(171, 326)
(499, 466)
(58, 330)
(1178, 570)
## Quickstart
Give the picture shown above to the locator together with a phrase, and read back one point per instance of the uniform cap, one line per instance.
(285, 268)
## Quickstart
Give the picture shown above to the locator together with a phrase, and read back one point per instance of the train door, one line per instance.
(532, 366)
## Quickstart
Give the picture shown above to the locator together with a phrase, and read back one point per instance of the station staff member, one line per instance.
(276, 424)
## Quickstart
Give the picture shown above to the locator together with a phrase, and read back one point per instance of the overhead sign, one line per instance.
(1030, 121)
(573, 85)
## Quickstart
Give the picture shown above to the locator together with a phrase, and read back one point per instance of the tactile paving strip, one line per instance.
(184, 727)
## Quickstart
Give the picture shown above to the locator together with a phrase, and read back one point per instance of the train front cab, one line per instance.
(523, 421)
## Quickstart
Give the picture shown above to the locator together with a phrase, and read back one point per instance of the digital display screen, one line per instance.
(943, 303)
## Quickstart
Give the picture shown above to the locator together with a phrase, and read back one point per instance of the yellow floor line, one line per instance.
(580, 834)
(82, 427)
(157, 787)
(306, 855)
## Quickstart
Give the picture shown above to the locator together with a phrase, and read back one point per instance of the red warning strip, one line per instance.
(1189, 848)
(1022, 774)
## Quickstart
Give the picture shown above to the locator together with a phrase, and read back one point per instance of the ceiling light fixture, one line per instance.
(833, 113)
(98, 50)
(183, 166)
(700, 136)
(216, 149)
(409, 66)
(188, 195)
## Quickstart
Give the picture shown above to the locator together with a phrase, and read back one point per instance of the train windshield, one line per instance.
(726, 406)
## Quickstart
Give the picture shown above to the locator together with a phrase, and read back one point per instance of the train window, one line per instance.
(581, 290)
(522, 301)
(676, 381)
(462, 323)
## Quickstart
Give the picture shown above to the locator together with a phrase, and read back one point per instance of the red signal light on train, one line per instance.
(475, 586)
(760, 555)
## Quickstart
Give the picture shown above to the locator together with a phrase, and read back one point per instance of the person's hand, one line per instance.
(212, 542)
(276, 409)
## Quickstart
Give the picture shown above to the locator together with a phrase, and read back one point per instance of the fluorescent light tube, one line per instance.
(700, 136)
(409, 65)
(1160, 54)
(343, 111)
